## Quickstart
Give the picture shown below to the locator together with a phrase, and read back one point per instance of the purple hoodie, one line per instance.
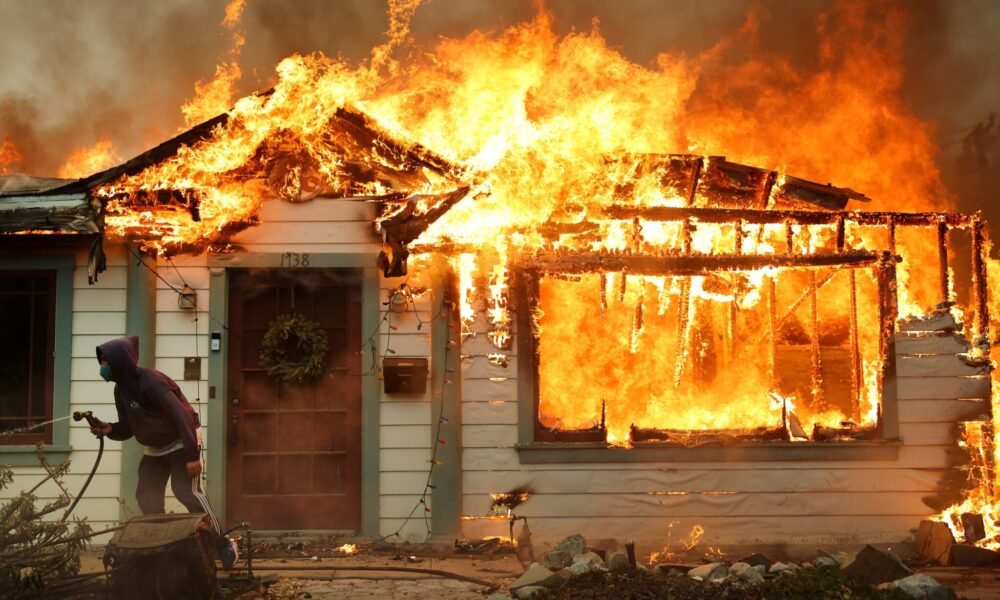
(150, 405)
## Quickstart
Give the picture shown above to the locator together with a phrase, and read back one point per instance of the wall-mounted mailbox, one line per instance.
(404, 375)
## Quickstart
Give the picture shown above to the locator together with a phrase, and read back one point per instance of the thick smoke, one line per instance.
(79, 72)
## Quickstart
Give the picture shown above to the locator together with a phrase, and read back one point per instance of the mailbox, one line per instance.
(404, 375)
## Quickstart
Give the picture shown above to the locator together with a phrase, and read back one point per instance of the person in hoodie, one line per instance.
(152, 408)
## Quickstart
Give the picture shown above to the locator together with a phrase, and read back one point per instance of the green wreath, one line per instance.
(309, 337)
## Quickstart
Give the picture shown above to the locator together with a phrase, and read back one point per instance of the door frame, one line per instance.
(219, 266)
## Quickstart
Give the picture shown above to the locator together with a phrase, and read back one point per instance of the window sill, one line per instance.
(27, 455)
(541, 452)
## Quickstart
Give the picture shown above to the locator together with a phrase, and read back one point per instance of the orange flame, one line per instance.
(551, 128)
(89, 160)
(9, 154)
(216, 96)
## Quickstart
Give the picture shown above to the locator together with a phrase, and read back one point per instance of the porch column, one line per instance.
(446, 422)
(140, 320)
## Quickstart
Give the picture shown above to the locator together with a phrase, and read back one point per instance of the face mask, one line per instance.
(106, 371)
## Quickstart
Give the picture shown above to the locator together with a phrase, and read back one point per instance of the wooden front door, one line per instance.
(294, 450)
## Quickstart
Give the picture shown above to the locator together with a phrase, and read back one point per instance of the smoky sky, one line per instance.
(76, 72)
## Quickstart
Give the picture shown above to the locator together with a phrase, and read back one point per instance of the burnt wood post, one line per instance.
(857, 378)
(841, 233)
(817, 373)
(888, 421)
(942, 240)
(980, 286)
(772, 306)
(683, 330)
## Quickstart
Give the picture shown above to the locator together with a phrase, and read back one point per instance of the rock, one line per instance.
(873, 566)
(618, 562)
(556, 559)
(529, 591)
(744, 572)
(566, 573)
(924, 588)
(711, 572)
(934, 541)
(757, 559)
(578, 568)
(807, 565)
(499, 597)
(967, 555)
(574, 544)
(591, 560)
(778, 567)
(739, 567)
(826, 561)
(536, 575)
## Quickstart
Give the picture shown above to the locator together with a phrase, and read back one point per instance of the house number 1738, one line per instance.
(294, 259)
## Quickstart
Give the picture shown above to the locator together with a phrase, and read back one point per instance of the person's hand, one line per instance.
(101, 430)
(193, 468)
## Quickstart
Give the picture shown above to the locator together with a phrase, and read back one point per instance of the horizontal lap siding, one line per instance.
(98, 315)
(406, 429)
(181, 334)
(807, 502)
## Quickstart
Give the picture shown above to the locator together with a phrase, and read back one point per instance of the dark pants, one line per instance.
(153, 474)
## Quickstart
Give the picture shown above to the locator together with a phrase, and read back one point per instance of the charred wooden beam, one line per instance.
(980, 285)
(734, 185)
(796, 193)
(595, 434)
(688, 437)
(683, 330)
(676, 173)
(888, 312)
(553, 229)
(841, 233)
(829, 434)
(772, 313)
(856, 374)
(407, 224)
(817, 367)
(942, 240)
(799, 217)
(694, 264)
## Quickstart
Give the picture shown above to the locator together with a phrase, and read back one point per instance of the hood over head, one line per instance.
(122, 355)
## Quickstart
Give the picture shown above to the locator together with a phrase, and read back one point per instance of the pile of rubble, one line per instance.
(571, 560)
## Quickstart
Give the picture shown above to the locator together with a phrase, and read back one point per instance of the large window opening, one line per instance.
(27, 311)
(760, 355)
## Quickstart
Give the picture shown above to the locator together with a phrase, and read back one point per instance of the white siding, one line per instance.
(98, 315)
(406, 430)
(789, 502)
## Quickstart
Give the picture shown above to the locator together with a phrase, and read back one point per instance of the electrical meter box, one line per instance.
(404, 375)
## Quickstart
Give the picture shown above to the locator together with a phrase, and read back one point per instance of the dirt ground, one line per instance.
(301, 576)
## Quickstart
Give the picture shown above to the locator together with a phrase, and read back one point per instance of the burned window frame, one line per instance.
(536, 441)
(528, 280)
(57, 256)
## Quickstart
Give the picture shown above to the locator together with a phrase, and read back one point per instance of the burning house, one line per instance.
(627, 342)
